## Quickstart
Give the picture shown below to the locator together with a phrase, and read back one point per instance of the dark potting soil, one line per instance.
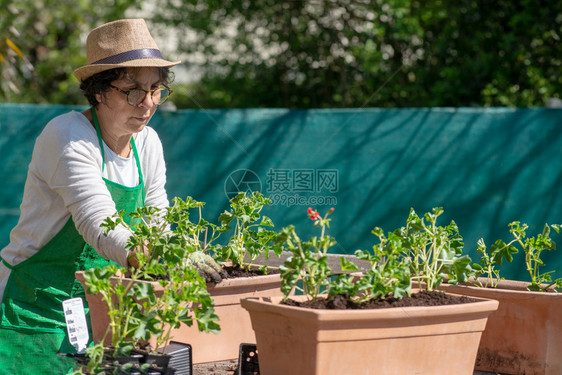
(422, 298)
(231, 272)
(237, 271)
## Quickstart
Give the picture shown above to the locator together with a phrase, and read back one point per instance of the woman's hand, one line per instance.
(132, 259)
(207, 267)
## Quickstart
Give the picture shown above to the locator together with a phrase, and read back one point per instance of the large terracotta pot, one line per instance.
(234, 320)
(408, 340)
(524, 336)
(236, 327)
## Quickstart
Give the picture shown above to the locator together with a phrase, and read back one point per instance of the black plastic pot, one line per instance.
(248, 360)
(181, 358)
(158, 360)
(175, 360)
(134, 358)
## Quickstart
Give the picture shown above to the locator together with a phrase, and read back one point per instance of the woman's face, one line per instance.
(115, 112)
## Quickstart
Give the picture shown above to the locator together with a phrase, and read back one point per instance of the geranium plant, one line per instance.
(309, 261)
(532, 248)
(389, 274)
(489, 260)
(435, 252)
(293, 325)
(422, 251)
(136, 311)
(251, 236)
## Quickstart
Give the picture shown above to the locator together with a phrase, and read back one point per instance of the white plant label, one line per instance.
(76, 323)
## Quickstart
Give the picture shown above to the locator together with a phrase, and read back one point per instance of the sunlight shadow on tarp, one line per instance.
(485, 167)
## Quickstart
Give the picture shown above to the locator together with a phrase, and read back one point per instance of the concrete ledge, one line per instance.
(333, 261)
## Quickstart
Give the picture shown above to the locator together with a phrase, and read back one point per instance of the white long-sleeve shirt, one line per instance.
(65, 179)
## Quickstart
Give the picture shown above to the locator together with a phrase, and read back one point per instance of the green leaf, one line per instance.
(500, 250)
(147, 325)
(143, 291)
(266, 221)
(123, 350)
(461, 268)
(362, 254)
(226, 217)
(533, 287)
(347, 265)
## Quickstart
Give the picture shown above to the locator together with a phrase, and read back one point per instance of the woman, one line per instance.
(85, 167)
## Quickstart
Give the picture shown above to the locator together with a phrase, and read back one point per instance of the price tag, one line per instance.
(76, 323)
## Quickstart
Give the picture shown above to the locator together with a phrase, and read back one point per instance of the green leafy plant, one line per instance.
(251, 237)
(200, 236)
(435, 252)
(421, 251)
(388, 275)
(309, 261)
(124, 311)
(307, 269)
(489, 258)
(137, 311)
(161, 228)
(532, 248)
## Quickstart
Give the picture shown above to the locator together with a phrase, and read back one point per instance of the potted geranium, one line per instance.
(356, 337)
(140, 310)
(524, 335)
(173, 228)
(250, 236)
(160, 294)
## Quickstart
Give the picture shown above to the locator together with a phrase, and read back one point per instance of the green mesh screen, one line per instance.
(485, 167)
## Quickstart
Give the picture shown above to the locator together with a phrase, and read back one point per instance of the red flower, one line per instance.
(313, 214)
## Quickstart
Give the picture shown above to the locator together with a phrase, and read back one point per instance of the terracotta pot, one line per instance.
(410, 340)
(236, 327)
(524, 336)
(235, 322)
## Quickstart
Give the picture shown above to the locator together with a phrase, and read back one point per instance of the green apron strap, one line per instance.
(137, 159)
(133, 146)
(128, 202)
(7, 264)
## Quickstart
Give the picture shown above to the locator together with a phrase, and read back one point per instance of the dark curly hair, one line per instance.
(100, 82)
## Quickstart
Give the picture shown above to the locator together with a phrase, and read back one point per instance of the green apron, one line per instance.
(32, 324)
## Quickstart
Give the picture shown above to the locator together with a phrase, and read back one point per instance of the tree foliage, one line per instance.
(389, 53)
(316, 53)
(50, 35)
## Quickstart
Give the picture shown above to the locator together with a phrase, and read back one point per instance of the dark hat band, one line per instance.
(136, 54)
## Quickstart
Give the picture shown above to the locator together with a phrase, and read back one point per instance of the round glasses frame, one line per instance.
(137, 96)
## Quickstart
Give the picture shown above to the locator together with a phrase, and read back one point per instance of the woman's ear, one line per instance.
(98, 97)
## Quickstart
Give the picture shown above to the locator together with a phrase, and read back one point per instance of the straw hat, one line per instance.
(122, 43)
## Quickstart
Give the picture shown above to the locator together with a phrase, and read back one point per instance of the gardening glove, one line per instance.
(207, 267)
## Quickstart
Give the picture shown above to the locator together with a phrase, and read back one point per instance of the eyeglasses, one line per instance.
(137, 96)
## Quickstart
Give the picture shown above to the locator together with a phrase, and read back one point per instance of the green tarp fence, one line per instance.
(485, 167)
